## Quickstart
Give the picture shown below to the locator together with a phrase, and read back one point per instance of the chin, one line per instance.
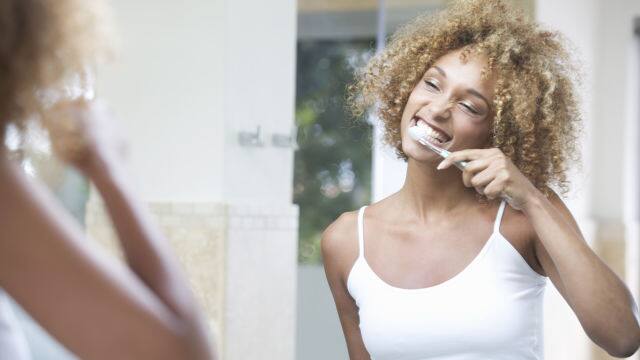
(419, 153)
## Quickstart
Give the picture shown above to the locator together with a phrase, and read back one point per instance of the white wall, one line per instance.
(632, 168)
(614, 43)
(580, 29)
(564, 338)
(259, 90)
(602, 34)
(388, 172)
(167, 89)
(191, 76)
(259, 85)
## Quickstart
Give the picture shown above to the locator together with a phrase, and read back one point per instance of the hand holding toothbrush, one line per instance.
(493, 174)
(489, 171)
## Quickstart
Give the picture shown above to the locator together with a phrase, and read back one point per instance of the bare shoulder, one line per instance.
(559, 204)
(563, 211)
(517, 224)
(522, 220)
(340, 243)
(519, 230)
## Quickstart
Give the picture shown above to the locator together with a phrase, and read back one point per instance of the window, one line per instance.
(333, 163)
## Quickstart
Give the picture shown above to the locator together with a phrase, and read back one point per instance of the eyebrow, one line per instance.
(470, 91)
(444, 74)
(477, 94)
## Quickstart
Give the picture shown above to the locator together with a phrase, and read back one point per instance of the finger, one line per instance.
(483, 178)
(467, 154)
(473, 168)
(494, 189)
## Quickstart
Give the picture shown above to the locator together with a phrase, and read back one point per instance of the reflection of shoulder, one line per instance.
(340, 241)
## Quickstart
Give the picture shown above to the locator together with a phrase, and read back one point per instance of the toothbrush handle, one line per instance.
(461, 164)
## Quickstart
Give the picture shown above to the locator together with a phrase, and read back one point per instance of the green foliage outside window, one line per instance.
(333, 162)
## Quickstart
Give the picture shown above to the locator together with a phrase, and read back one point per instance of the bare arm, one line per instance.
(338, 254)
(599, 298)
(98, 308)
(147, 252)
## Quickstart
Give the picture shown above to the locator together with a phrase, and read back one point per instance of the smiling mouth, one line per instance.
(435, 136)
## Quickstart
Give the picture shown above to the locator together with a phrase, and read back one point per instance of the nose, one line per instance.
(440, 109)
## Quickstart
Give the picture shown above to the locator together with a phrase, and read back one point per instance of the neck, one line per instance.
(427, 190)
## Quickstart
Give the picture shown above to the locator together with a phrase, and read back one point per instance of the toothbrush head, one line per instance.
(420, 134)
(417, 133)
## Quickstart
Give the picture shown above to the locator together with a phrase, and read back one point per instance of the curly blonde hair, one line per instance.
(536, 119)
(43, 43)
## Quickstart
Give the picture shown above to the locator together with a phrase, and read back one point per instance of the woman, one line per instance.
(445, 268)
(97, 308)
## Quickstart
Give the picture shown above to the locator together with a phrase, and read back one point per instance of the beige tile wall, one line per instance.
(241, 261)
(260, 313)
(197, 232)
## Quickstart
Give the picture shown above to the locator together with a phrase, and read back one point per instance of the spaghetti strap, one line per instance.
(496, 225)
(361, 232)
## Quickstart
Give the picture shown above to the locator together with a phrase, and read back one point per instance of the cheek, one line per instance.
(418, 97)
(472, 134)
(415, 101)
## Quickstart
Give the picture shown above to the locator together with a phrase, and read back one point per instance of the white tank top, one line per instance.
(492, 309)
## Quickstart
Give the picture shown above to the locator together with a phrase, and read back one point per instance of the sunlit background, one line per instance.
(243, 148)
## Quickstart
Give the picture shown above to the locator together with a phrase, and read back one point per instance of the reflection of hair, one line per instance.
(536, 119)
(42, 42)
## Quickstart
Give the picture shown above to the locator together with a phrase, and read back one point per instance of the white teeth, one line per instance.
(430, 131)
(434, 139)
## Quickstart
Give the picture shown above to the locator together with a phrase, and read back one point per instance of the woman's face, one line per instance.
(453, 101)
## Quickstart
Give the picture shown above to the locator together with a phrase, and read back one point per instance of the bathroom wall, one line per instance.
(190, 80)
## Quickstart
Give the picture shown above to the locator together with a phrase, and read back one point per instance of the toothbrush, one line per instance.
(419, 134)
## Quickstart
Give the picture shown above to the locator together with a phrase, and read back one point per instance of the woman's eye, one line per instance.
(431, 85)
(470, 109)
